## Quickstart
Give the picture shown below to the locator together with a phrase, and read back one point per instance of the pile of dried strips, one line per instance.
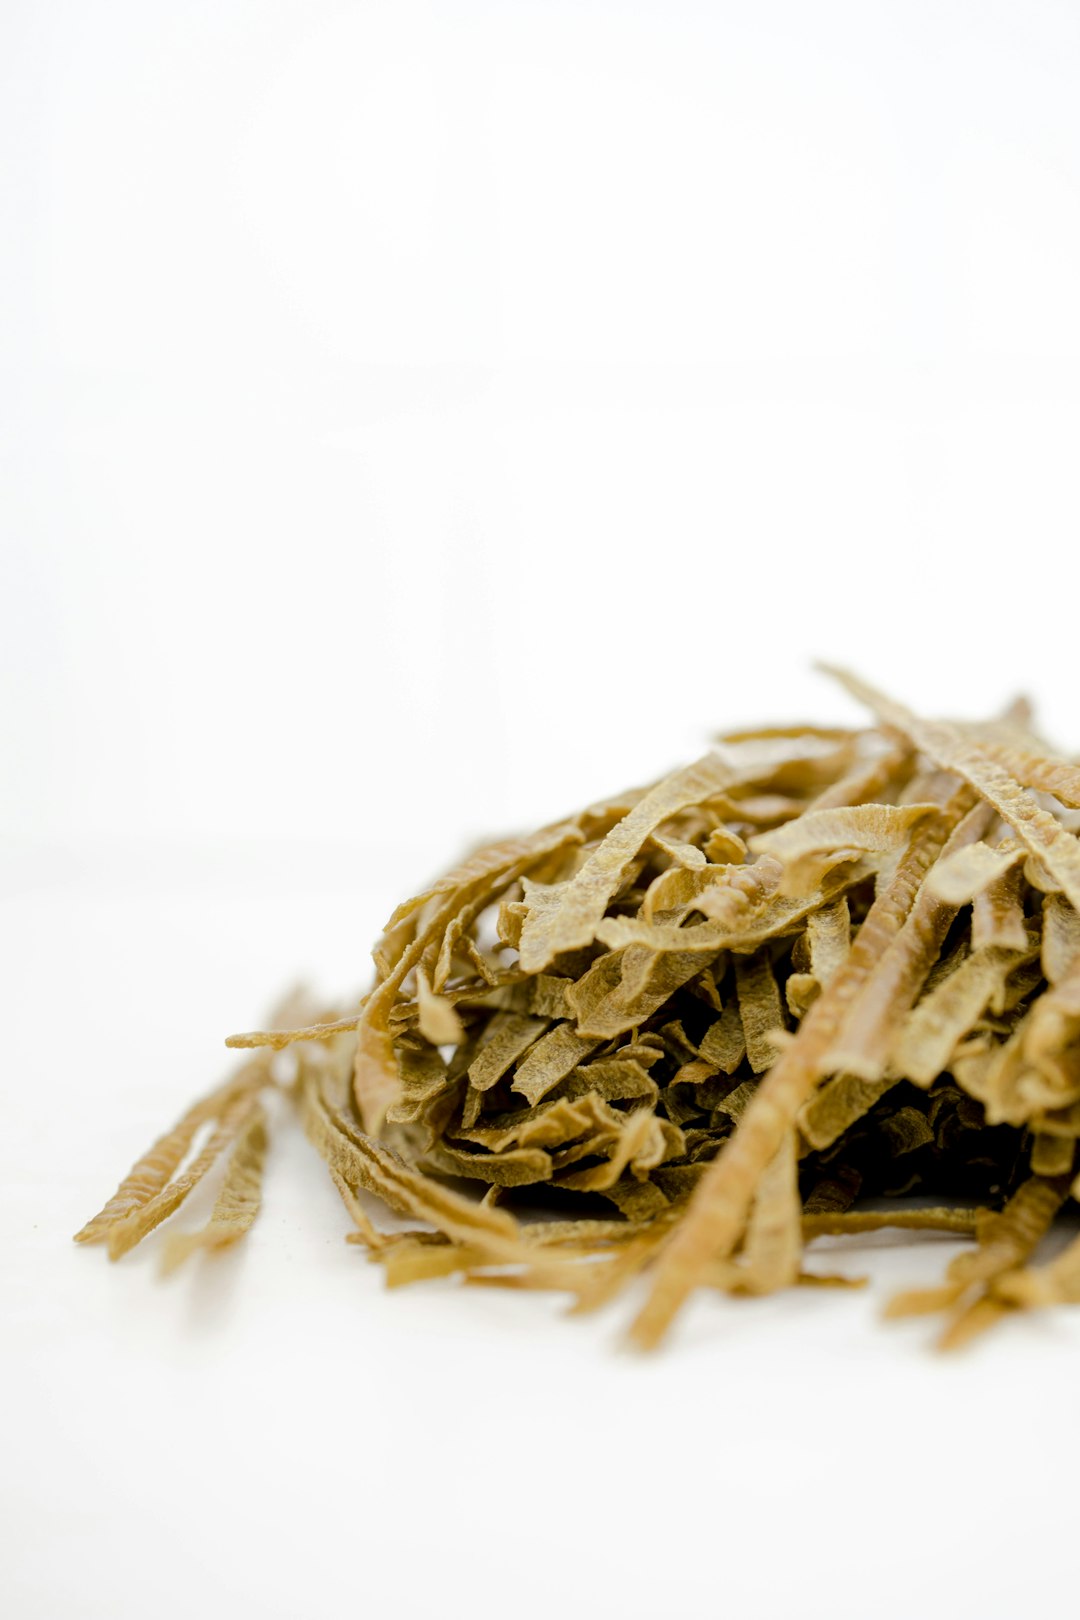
(693, 1028)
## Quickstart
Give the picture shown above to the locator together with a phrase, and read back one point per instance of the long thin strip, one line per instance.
(773, 1248)
(238, 1202)
(717, 1211)
(126, 1233)
(564, 916)
(375, 1078)
(863, 1042)
(859, 1221)
(1037, 829)
(277, 1039)
(159, 1164)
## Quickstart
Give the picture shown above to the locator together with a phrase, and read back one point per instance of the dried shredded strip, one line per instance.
(1060, 937)
(1056, 1283)
(426, 918)
(863, 1043)
(724, 1043)
(835, 1108)
(714, 1220)
(959, 877)
(510, 1035)
(363, 1162)
(438, 1018)
(556, 1055)
(132, 1228)
(157, 1167)
(1005, 1241)
(1045, 775)
(278, 1039)
(932, 1032)
(625, 987)
(564, 916)
(759, 1009)
(1036, 828)
(237, 1203)
(997, 914)
(857, 1222)
(1051, 1037)
(808, 846)
(773, 1249)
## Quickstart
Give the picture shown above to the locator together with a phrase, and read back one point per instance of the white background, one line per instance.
(417, 420)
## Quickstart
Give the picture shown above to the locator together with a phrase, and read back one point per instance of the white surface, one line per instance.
(358, 365)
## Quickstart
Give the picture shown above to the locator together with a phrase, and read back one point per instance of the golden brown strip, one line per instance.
(237, 1203)
(717, 1211)
(1035, 827)
(132, 1228)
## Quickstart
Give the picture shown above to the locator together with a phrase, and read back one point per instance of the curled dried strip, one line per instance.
(1036, 828)
(124, 1234)
(772, 1252)
(1005, 1241)
(836, 1107)
(959, 877)
(997, 914)
(152, 1173)
(1056, 1283)
(1051, 1037)
(1045, 775)
(759, 1009)
(565, 916)
(859, 1221)
(931, 1034)
(237, 1203)
(863, 1042)
(714, 1220)
(278, 1039)
(1060, 937)
(808, 847)
(437, 1017)
(375, 1080)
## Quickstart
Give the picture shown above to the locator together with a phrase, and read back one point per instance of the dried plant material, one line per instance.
(690, 1030)
(759, 1009)
(554, 1056)
(716, 1214)
(508, 1037)
(625, 987)
(238, 1201)
(997, 914)
(1055, 776)
(835, 1108)
(863, 1042)
(564, 916)
(931, 1034)
(723, 847)
(959, 877)
(1036, 828)
(1060, 937)
(1052, 1155)
(131, 1229)
(724, 1043)
(1005, 1241)
(773, 1248)
(808, 846)
(278, 1039)
(438, 1019)
(855, 1222)
(1057, 1283)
